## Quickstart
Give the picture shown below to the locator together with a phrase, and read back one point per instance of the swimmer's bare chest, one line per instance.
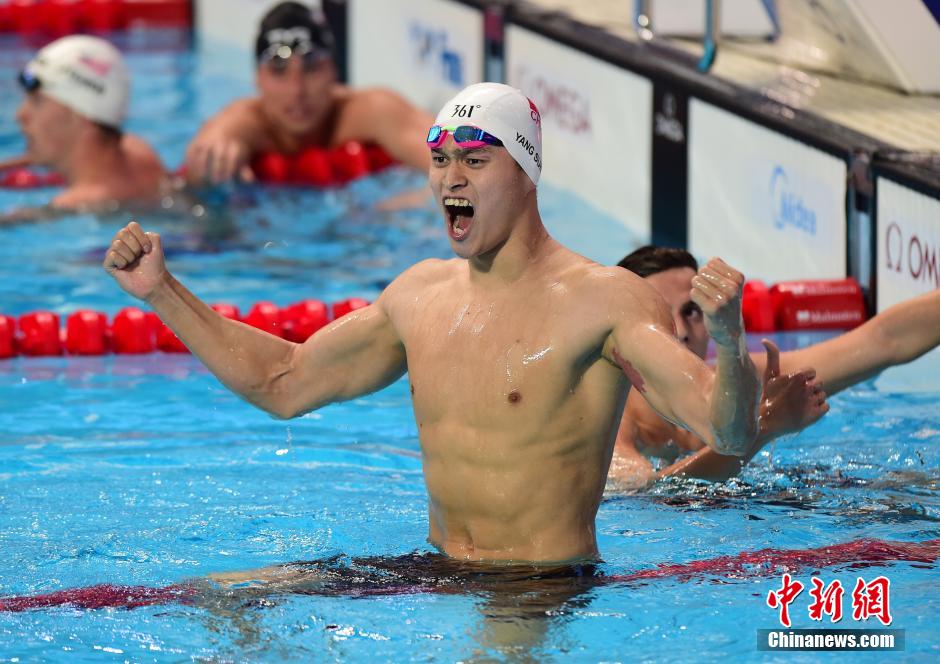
(496, 365)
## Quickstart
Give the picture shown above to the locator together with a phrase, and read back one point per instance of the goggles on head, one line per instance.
(465, 136)
(277, 56)
(29, 81)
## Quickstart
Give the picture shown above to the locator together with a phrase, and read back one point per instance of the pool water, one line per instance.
(145, 471)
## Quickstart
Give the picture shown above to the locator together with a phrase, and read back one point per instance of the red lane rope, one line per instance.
(316, 166)
(133, 331)
(748, 564)
(100, 597)
(768, 562)
(64, 17)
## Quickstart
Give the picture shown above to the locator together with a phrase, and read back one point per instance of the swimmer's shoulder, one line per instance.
(241, 117)
(377, 99)
(431, 272)
(417, 281)
(620, 296)
(364, 111)
(142, 155)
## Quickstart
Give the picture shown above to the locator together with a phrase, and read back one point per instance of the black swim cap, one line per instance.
(294, 25)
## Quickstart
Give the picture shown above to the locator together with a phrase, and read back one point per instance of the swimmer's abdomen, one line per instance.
(503, 499)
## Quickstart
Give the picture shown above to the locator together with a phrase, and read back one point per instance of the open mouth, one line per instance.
(460, 215)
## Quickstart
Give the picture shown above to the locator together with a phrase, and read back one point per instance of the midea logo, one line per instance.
(787, 206)
(433, 52)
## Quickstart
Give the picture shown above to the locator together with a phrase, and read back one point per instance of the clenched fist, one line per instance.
(135, 260)
(717, 290)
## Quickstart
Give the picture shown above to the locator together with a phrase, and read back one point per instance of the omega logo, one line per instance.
(921, 258)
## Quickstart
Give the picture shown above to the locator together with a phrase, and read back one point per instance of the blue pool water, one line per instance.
(145, 471)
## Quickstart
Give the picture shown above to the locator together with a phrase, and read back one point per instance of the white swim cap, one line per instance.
(87, 74)
(504, 112)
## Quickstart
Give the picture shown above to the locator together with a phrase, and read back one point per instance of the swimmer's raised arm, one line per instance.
(720, 407)
(355, 355)
(224, 145)
(897, 335)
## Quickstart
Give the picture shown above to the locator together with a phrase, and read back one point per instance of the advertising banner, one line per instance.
(596, 122)
(907, 244)
(426, 50)
(907, 240)
(769, 205)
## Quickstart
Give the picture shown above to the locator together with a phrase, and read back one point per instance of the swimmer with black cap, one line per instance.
(519, 352)
(301, 104)
(77, 91)
(796, 382)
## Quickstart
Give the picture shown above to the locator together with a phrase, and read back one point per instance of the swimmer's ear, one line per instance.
(772, 370)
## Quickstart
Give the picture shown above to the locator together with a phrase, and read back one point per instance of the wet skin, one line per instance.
(301, 104)
(98, 169)
(510, 351)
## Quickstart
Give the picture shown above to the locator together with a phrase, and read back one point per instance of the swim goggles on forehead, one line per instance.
(276, 56)
(465, 136)
(29, 82)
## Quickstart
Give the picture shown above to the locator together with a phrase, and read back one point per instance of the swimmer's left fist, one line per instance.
(135, 260)
(717, 290)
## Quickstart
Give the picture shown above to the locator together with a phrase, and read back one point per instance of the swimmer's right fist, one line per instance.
(135, 260)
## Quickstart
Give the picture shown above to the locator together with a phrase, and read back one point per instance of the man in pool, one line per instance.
(896, 336)
(76, 99)
(301, 104)
(519, 352)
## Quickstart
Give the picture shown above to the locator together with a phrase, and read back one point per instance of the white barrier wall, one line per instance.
(908, 249)
(595, 124)
(227, 31)
(769, 205)
(908, 264)
(426, 50)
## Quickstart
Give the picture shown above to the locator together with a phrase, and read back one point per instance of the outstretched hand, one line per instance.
(789, 402)
(135, 260)
(717, 290)
(215, 158)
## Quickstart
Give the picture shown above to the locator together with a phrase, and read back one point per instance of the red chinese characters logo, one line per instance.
(826, 602)
(869, 600)
(784, 597)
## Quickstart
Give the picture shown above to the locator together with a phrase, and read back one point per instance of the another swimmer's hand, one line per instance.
(717, 290)
(789, 403)
(217, 159)
(135, 260)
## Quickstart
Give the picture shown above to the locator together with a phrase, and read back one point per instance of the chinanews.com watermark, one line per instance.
(871, 603)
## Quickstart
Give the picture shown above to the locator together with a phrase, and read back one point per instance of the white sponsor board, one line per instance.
(769, 205)
(595, 125)
(426, 50)
(908, 264)
(908, 249)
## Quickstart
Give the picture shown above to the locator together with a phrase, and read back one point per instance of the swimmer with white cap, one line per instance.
(519, 352)
(301, 104)
(77, 91)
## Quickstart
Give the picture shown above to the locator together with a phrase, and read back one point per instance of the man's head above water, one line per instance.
(296, 72)
(486, 159)
(75, 86)
(670, 272)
